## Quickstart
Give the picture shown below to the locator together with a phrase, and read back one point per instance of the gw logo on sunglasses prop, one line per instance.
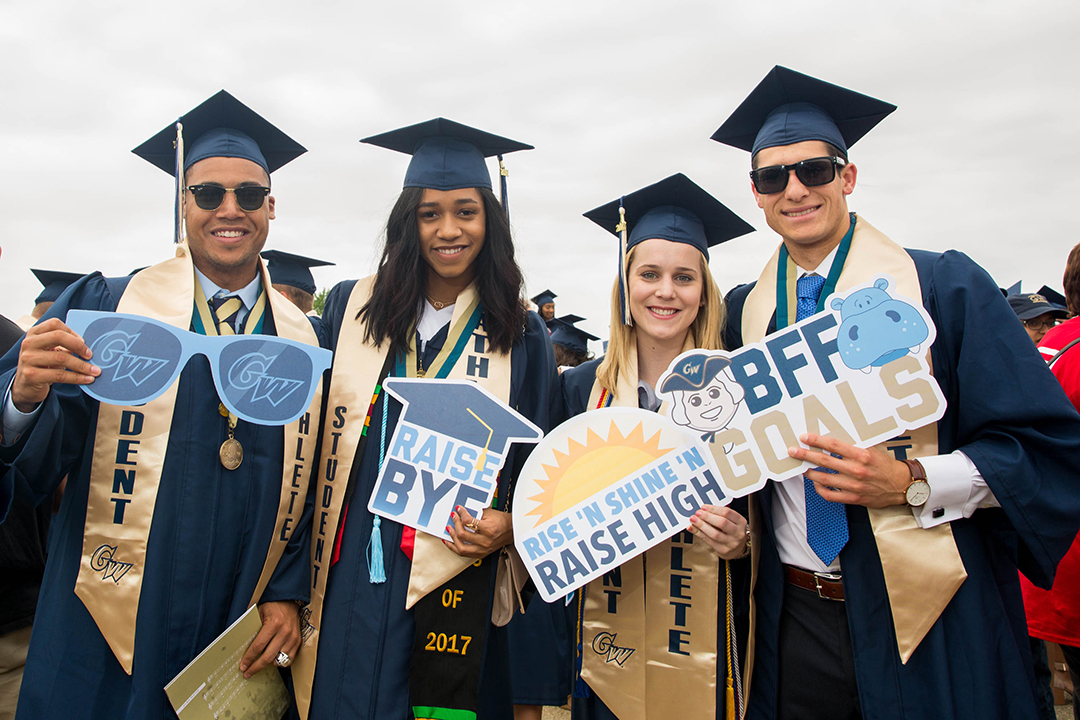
(148, 357)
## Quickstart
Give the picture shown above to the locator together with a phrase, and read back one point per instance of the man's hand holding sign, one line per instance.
(840, 382)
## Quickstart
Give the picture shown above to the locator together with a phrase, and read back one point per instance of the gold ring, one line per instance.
(473, 525)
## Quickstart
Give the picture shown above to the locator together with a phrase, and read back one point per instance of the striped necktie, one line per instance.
(826, 522)
(225, 310)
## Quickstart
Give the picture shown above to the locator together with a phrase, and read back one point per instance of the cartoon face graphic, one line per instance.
(875, 329)
(711, 408)
(705, 397)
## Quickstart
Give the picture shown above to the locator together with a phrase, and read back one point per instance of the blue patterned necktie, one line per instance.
(826, 522)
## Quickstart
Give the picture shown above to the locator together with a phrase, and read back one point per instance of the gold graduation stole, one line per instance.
(922, 567)
(649, 628)
(129, 456)
(353, 379)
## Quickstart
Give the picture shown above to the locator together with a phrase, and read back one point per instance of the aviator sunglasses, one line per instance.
(262, 379)
(812, 172)
(210, 197)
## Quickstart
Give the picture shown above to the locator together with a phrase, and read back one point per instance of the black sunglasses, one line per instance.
(210, 197)
(812, 172)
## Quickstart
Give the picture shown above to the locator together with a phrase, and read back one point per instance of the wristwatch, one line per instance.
(918, 490)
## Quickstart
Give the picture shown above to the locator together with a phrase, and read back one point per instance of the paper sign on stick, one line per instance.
(857, 371)
(446, 450)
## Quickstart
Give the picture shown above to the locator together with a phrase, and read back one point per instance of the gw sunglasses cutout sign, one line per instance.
(607, 485)
(261, 379)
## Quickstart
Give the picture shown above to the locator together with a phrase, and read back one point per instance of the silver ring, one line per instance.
(282, 660)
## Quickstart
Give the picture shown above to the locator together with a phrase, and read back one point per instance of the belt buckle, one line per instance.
(830, 576)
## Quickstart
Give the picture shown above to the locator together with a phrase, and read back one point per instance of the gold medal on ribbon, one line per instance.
(231, 452)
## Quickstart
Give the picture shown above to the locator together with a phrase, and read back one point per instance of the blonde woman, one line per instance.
(664, 303)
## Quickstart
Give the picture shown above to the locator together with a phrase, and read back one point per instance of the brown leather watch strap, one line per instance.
(918, 472)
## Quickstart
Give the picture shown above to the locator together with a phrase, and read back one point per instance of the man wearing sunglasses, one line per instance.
(886, 577)
(179, 514)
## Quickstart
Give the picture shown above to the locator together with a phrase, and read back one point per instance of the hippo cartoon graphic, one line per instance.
(875, 329)
(705, 397)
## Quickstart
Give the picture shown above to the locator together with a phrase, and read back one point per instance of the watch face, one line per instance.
(918, 493)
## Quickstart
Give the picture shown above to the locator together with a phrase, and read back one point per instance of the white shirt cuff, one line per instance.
(957, 489)
(15, 422)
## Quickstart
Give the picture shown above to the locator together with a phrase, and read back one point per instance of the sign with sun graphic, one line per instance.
(604, 487)
(609, 484)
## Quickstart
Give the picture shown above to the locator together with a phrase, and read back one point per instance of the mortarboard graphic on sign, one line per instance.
(447, 450)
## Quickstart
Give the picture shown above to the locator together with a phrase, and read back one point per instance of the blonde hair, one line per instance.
(705, 329)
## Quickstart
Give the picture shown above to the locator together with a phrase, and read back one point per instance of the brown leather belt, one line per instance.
(828, 586)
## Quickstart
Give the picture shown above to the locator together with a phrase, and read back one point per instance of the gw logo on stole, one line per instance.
(604, 644)
(102, 561)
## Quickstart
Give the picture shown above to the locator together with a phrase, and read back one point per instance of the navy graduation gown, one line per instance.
(208, 541)
(1009, 415)
(367, 636)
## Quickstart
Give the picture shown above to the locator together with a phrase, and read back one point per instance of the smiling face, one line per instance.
(225, 243)
(711, 408)
(452, 228)
(666, 288)
(812, 220)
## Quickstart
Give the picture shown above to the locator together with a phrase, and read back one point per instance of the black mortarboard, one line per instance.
(674, 209)
(1053, 295)
(461, 409)
(54, 282)
(295, 270)
(788, 107)
(544, 298)
(446, 155)
(222, 126)
(564, 333)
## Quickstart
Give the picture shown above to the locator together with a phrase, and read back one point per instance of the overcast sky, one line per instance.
(981, 155)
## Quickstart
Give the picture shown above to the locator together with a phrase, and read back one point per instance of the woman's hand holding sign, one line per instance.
(865, 476)
(479, 538)
(51, 353)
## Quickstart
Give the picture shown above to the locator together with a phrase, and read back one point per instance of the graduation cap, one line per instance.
(54, 282)
(446, 155)
(564, 333)
(694, 372)
(788, 107)
(544, 298)
(674, 209)
(295, 270)
(221, 126)
(1053, 295)
(463, 410)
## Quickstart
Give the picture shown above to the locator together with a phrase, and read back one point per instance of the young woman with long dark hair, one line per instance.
(402, 619)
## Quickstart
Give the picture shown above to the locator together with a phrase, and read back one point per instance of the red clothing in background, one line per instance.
(1055, 615)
